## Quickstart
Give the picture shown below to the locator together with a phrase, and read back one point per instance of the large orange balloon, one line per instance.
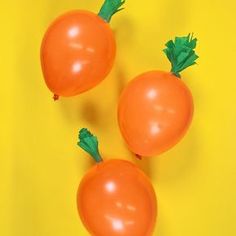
(155, 111)
(77, 52)
(115, 198)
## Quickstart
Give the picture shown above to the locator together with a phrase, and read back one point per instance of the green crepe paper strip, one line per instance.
(109, 8)
(89, 143)
(181, 53)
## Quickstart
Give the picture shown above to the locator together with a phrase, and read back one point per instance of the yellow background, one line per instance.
(40, 164)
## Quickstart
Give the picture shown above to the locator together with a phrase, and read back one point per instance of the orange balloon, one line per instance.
(116, 198)
(155, 111)
(77, 53)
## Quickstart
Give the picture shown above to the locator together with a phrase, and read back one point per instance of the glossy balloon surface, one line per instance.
(155, 111)
(116, 198)
(77, 53)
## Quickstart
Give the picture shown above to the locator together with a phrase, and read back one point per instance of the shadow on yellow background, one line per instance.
(40, 165)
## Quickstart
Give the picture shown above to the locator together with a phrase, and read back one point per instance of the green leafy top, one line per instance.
(89, 143)
(109, 8)
(181, 53)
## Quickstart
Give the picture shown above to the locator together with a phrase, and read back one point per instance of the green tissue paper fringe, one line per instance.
(181, 53)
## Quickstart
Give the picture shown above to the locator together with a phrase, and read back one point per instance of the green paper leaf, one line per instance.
(181, 53)
(109, 8)
(89, 143)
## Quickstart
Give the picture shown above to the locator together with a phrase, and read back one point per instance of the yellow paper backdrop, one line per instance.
(40, 165)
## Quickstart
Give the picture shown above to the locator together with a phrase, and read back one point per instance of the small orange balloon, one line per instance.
(77, 53)
(155, 111)
(156, 108)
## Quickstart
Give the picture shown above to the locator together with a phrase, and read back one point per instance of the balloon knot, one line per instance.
(138, 156)
(55, 97)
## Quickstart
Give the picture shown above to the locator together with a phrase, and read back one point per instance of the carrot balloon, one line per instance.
(115, 198)
(78, 50)
(156, 108)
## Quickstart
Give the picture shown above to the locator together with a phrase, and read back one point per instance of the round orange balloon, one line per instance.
(155, 111)
(77, 52)
(115, 198)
